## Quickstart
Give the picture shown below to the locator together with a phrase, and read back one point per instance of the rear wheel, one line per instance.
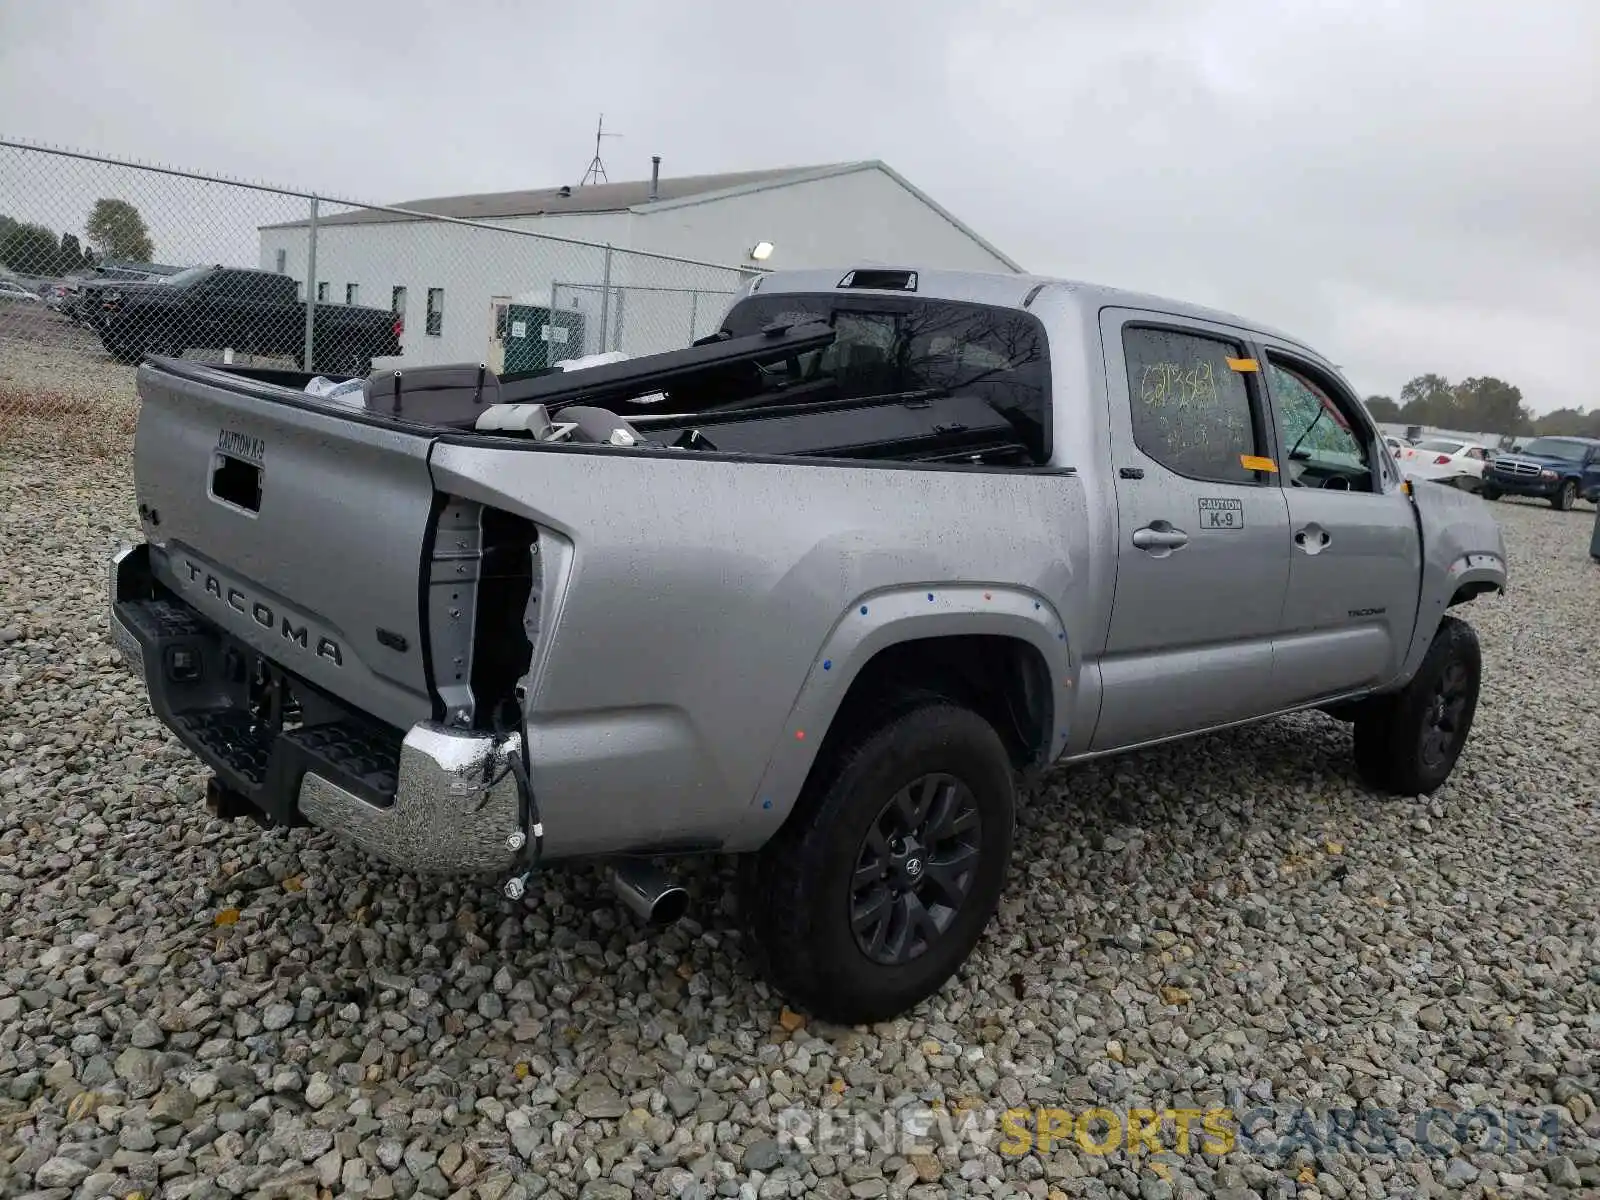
(1566, 496)
(1408, 743)
(879, 885)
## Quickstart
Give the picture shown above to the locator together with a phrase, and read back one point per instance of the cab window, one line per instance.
(891, 345)
(1323, 445)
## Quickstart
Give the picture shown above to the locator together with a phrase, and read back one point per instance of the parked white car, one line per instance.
(1446, 460)
(16, 292)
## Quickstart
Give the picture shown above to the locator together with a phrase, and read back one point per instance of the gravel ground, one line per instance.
(191, 1008)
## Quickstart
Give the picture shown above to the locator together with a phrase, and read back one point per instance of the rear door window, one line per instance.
(1190, 403)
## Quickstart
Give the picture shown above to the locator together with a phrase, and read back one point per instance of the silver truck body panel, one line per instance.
(700, 617)
(669, 689)
(1465, 553)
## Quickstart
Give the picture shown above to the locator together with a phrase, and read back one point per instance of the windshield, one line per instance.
(185, 277)
(1562, 448)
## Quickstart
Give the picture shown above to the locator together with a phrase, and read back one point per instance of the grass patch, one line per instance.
(59, 421)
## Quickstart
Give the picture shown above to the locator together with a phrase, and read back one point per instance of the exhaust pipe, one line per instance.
(649, 892)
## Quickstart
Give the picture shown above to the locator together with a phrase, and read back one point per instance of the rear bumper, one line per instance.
(430, 799)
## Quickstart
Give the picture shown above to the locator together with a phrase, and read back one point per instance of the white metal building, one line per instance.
(633, 271)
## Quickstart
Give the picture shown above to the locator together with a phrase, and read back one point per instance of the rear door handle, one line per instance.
(1160, 538)
(1312, 538)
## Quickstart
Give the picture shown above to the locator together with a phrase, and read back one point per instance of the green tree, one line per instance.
(1569, 422)
(30, 250)
(1491, 405)
(71, 253)
(1427, 400)
(117, 230)
(1383, 409)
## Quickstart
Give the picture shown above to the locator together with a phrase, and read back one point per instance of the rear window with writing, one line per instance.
(1190, 408)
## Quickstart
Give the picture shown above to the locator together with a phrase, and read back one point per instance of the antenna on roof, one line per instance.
(597, 169)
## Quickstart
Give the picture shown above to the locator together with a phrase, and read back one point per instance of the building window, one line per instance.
(397, 301)
(322, 292)
(283, 262)
(352, 293)
(435, 324)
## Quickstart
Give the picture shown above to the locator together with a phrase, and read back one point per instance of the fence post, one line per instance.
(605, 301)
(694, 312)
(311, 288)
(550, 330)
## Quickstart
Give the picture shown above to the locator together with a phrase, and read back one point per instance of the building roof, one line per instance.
(631, 196)
(586, 198)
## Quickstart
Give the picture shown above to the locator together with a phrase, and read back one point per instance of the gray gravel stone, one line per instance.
(600, 1103)
(319, 1091)
(761, 1155)
(277, 1016)
(147, 1034)
(1563, 1172)
(60, 1173)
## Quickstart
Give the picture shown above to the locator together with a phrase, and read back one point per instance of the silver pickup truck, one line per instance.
(823, 591)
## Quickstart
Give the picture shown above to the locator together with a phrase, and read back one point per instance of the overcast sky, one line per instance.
(1411, 185)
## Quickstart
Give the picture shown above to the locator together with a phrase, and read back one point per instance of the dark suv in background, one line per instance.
(1561, 470)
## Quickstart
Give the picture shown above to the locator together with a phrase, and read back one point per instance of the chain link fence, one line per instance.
(105, 262)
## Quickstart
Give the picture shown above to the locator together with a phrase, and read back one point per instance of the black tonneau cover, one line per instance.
(455, 394)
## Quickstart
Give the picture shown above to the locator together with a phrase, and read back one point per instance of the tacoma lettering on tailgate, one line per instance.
(262, 614)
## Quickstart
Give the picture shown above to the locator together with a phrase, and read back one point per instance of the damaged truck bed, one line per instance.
(818, 591)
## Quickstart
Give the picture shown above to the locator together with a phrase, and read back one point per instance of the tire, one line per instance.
(1563, 499)
(797, 896)
(1407, 743)
(1489, 492)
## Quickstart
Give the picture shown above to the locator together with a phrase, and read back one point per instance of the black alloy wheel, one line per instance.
(915, 869)
(1445, 726)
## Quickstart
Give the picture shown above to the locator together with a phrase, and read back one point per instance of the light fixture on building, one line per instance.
(761, 251)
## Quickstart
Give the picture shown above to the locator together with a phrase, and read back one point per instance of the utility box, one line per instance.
(535, 341)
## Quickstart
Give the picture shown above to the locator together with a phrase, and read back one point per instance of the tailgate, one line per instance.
(297, 527)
